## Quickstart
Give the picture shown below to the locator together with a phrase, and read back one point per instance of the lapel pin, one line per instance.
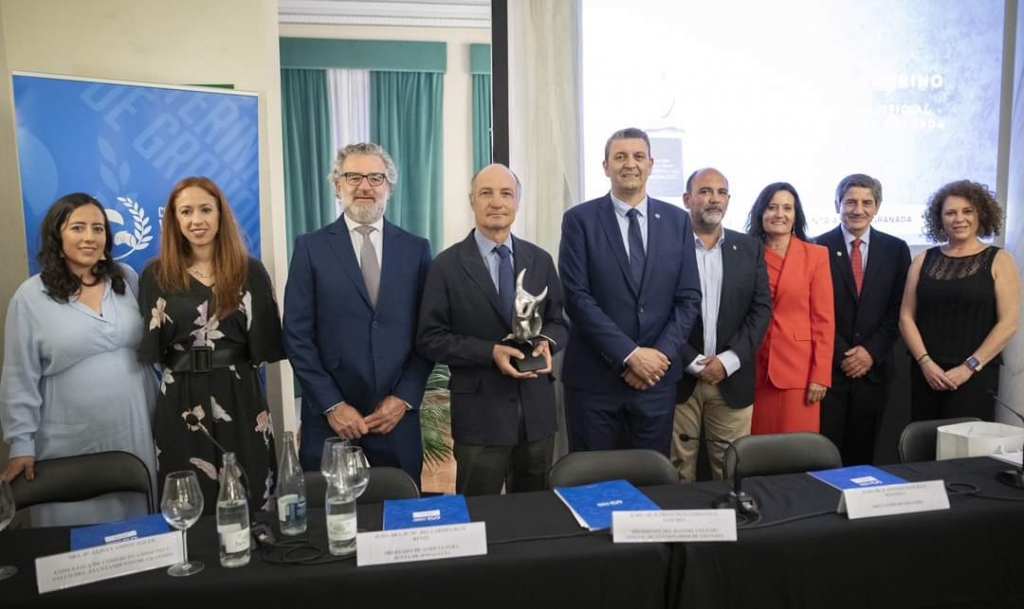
(734, 248)
(840, 254)
(657, 216)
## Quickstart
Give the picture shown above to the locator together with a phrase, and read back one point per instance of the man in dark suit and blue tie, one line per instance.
(632, 293)
(869, 269)
(503, 420)
(716, 393)
(350, 311)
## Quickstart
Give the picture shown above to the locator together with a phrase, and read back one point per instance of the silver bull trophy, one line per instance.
(526, 326)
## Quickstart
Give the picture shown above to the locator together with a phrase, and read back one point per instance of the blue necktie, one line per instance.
(637, 256)
(506, 283)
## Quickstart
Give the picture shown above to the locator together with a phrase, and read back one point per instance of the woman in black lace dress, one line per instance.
(960, 306)
(210, 322)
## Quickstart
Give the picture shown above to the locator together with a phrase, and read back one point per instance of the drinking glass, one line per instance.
(346, 480)
(326, 463)
(182, 506)
(7, 509)
(354, 470)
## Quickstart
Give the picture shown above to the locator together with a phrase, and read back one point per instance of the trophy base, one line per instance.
(528, 363)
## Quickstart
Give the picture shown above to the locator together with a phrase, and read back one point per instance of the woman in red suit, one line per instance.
(794, 362)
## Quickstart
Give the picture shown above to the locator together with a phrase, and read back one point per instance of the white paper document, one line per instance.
(422, 543)
(667, 526)
(894, 499)
(105, 562)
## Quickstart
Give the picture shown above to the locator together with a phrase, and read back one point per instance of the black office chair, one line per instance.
(385, 483)
(781, 453)
(84, 477)
(919, 440)
(637, 466)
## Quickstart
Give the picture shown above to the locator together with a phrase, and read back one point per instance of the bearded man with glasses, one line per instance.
(350, 311)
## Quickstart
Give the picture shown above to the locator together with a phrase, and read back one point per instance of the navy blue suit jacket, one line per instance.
(611, 315)
(344, 349)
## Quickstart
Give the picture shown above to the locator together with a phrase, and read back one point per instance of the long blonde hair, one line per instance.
(230, 263)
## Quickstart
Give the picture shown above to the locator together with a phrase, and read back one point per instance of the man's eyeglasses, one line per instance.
(355, 179)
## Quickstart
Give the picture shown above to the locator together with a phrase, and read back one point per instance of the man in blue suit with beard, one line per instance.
(350, 310)
(632, 292)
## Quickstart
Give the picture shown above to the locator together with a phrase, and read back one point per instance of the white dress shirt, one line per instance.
(710, 269)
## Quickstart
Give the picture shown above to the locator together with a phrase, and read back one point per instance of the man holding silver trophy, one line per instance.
(492, 312)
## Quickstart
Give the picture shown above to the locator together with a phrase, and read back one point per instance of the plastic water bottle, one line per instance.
(291, 490)
(232, 516)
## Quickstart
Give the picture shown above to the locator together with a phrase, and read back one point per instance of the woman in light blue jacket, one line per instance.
(72, 383)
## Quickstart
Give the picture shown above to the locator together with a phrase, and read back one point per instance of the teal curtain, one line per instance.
(481, 121)
(309, 197)
(406, 119)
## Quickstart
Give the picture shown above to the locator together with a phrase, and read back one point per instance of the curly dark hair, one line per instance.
(59, 281)
(755, 226)
(990, 214)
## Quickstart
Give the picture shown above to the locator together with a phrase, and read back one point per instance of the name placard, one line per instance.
(666, 526)
(894, 499)
(105, 562)
(423, 543)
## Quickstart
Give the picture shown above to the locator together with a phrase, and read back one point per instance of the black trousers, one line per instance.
(851, 416)
(972, 399)
(482, 469)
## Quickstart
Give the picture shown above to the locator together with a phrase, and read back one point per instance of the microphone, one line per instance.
(261, 533)
(736, 499)
(1011, 477)
(193, 421)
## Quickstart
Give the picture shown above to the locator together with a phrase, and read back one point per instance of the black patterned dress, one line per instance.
(229, 402)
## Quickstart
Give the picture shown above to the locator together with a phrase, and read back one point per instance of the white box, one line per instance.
(977, 439)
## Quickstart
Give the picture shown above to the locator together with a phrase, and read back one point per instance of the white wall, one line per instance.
(180, 42)
(458, 108)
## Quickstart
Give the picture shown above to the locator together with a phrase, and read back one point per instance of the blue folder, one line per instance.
(115, 532)
(425, 512)
(593, 504)
(857, 476)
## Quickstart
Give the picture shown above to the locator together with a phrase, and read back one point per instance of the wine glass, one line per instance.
(352, 468)
(7, 509)
(346, 481)
(326, 462)
(182, 506)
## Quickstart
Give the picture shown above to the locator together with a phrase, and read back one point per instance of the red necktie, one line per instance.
(858, 264)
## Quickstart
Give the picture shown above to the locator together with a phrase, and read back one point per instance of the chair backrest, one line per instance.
(639, 467)
(84, 477)
(919, 440)
(385, 483)
(781, 453)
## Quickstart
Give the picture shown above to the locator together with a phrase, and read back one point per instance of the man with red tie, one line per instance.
(869, 269)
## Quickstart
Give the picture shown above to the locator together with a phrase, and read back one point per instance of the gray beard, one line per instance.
(712, 219)
(365, 215)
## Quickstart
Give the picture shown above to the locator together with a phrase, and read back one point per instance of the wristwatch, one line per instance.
(973, 363)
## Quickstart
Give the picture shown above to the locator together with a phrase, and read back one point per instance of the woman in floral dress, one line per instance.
(211, 321)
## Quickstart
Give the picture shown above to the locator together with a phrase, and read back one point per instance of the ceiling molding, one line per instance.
(414, 13)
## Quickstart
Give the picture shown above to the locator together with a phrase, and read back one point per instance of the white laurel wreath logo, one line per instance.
(140, 238)
(115, 174)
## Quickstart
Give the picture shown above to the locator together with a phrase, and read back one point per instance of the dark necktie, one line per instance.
(637, 256)
(857, 262)
(506, 283)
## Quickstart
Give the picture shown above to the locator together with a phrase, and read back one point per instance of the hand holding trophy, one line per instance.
(526, 326)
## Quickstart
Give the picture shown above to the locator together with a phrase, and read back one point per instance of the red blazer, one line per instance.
(797, 348)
